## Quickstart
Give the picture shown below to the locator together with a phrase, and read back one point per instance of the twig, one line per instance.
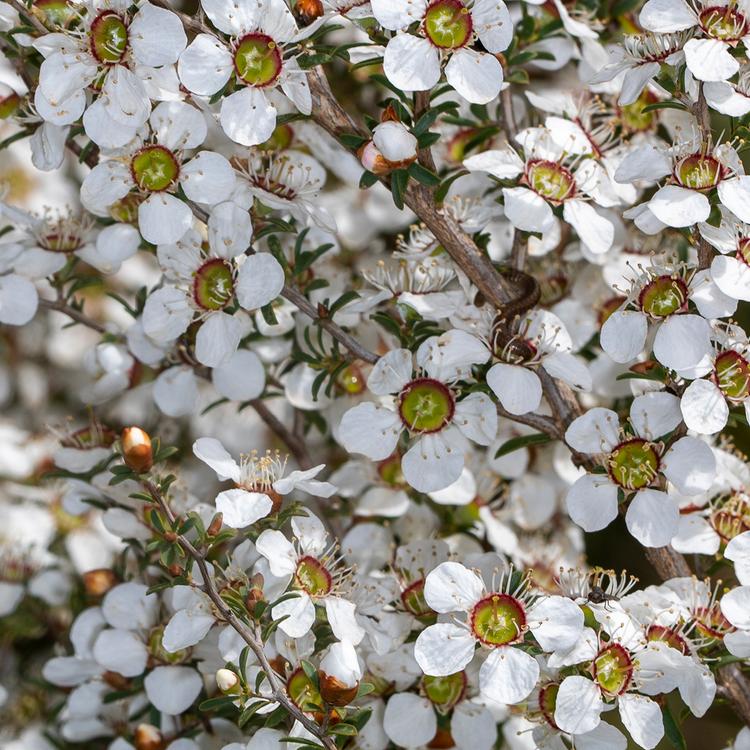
(422, 105)
(253, 638)
(72, 313)
(295, 445)
(29, 13)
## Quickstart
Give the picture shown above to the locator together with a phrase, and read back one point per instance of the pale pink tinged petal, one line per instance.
(492, 24)
(217, 339)
(444, 649)
(556, 623)
(653, 518)
(736, 607)
(298, 615)
(508, 675)
(704, 407)
(260, 281)
(596, 431)
(592, 502)
(732, 276)
(690, 465)
(172, 690)
(409, 720)
(738, 551)
(476, 76)
(156, 36)
(208, 178)
(655, 414)
(735, 195)
(451, 587)
(710, 60)
(205, 66)
(241, 378)
(213, 453)
(411, 63)
(241, 508)
(518, 389)
(677, 206)
(370, 430)
(578, 706)
(667, 15)
(432, 463)
(683, 344)
(526, 210)
(391, 372)
(505, 164)
(642, 718)
(163, 218)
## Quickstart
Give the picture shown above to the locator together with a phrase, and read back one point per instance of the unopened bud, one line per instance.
(215, 526)
(339, 674)
(389, 114)
(308, 11)
(148, 737)
(136, 449)
(372, 160)
(255, 592)
(228, 682)
(175, 570)
(98, 582)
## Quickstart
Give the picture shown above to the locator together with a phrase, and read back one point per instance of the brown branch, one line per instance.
(252, 637)
(77, 315)
(29, 13)
(295, 445)
(422, 105)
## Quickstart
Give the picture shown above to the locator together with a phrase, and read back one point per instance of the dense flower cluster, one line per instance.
(368, 313)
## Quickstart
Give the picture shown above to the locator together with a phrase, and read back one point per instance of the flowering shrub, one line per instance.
(331, 332)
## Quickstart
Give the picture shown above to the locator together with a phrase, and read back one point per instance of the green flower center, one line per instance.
(667, 635)
(498, 619)
(448, 24)
(548, 702)
(108, 38)
(312, 577)
(550, 180)
(56, 12)
(732, 373)
(634, 464)
(426, 405)
(126, 209)
(257, 60)
(663, 296)
(154, 168)
(613, 669)
(632, 116)
(699, 172)
(444, 692)
(213, 285)
(724, 22)
(414, 602)
(731, 515)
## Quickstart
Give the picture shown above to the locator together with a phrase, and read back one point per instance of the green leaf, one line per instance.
(673, 731)
(268, 314)
(343, 300)
(352, 140)
(214, 704)
(423, 175)
(663, 105)
(367, 180)
(522, 441)
(398, 186)
(347, 730)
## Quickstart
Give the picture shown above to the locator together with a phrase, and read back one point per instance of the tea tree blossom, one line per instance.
(259, 480)
(253, 59)
(497, 619)
(447, 30)
(636, 460)
(425, 404)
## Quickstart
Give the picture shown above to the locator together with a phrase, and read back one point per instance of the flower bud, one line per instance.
(215, 526)
(136, 449)
(308, 11)
(148, 737)
(339, 674)
(255, 592)
(372, 160)
(394, 141)
(98, 582)
(228, 682)
(10, 101)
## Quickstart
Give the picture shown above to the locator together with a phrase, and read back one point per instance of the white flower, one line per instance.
(738, 551)
(447, 29)
(259, 482)
(156, 169)
(720, 26)
(547, 178)
(735, 606)
(496, 620)
(308, 565)
(255, 59)
(425, 405)
(634, 462)
(730, 270)
(117, 51)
